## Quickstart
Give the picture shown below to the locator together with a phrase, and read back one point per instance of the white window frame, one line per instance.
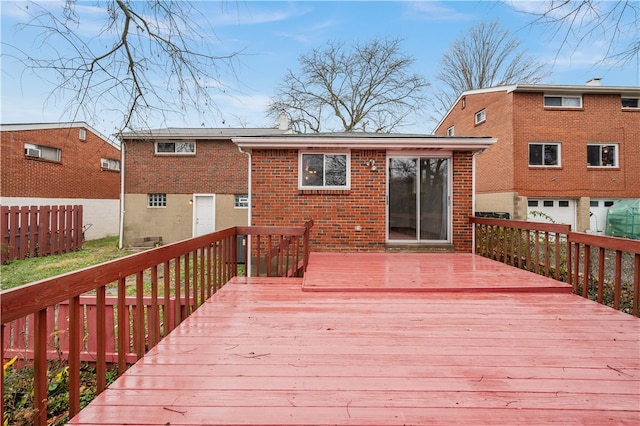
(564, 101)
(241, 201)
(110, 164)
(451, 131)
(179, 147)
(630, 98)
(481, 116)
(301, 170)
(544, 144)
(48, 153)
(156, 200)
(602, 145)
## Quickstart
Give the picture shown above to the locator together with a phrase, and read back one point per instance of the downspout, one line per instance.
(473, 200)
(121, 230)
(247, 251)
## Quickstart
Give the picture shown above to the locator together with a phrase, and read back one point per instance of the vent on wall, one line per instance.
(32, 152)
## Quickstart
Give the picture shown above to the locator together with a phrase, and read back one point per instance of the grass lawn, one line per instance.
(20, 272)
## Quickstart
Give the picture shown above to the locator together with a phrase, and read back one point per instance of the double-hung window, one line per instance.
(481, 116)
(544, 154)
(324, 170)
(602, 155)
(176, 147)
(563, 101)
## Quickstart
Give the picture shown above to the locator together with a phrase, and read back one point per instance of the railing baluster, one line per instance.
(40, 386)
(76, 331)
(616, 280)
(101, 336)
(587, 271)
(636, 285)
(601, 266)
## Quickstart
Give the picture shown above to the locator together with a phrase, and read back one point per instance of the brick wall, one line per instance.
(218, 167)
(277, 201)
(77, 175)
(518, 118)
(495, 166)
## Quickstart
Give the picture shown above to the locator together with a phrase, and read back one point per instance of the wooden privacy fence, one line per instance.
(600, 268)
(155, 290)
(39, 231)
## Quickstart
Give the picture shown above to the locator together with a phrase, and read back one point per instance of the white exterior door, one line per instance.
(204, 214)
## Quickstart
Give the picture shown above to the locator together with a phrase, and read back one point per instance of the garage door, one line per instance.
(552, 210)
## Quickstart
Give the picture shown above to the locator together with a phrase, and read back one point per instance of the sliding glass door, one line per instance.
(418, 194)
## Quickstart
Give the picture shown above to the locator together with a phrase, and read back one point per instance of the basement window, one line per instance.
(156, 200)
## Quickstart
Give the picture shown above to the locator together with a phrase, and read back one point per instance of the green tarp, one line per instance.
(623, 219)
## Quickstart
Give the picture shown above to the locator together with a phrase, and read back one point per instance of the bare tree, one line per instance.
(486, 56)
(148, 58)
(575, 22)
(368, 87)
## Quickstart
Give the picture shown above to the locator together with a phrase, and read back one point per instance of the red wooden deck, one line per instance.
(407, 351)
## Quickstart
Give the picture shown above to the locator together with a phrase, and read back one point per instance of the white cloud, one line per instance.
(434, 11)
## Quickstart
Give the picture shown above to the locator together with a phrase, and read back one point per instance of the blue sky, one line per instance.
(272, 35)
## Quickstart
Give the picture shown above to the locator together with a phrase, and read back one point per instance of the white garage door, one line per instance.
(552, 210)
(598, 208)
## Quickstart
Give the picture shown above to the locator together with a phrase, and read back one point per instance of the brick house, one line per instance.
(183, 182)
(366, 192)
(562, 152)
(65, 163)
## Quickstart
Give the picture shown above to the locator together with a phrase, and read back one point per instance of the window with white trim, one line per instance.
(156, 200)
(602, 155)
(481, 116)
(110, 164)
(451, 131)
(32, 150)
(544, 154)
(241, 201)
(633, 103)
(324, 170)
(176, 147)
(563, 101)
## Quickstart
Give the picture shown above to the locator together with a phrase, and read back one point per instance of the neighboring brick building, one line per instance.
(567, 152)
(181, 182)
(366, 192)
(62, 164)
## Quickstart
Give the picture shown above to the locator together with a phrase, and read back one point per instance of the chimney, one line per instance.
(594, 82)
(283, 121)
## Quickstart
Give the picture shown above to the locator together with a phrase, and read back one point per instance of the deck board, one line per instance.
(262, 351)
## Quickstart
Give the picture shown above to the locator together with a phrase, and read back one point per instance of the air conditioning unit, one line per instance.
(32, 152)
(104, 163)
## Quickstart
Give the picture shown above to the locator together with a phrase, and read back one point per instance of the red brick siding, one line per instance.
(495, 165)
(518, 118)
(218, 167)
(77, 175)
(600, 120)
(278, 202)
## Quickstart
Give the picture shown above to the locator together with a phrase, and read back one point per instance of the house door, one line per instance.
(204, 219)
(419, 197)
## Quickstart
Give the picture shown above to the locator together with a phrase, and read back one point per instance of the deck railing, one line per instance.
(167, 284)
(601, 268)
